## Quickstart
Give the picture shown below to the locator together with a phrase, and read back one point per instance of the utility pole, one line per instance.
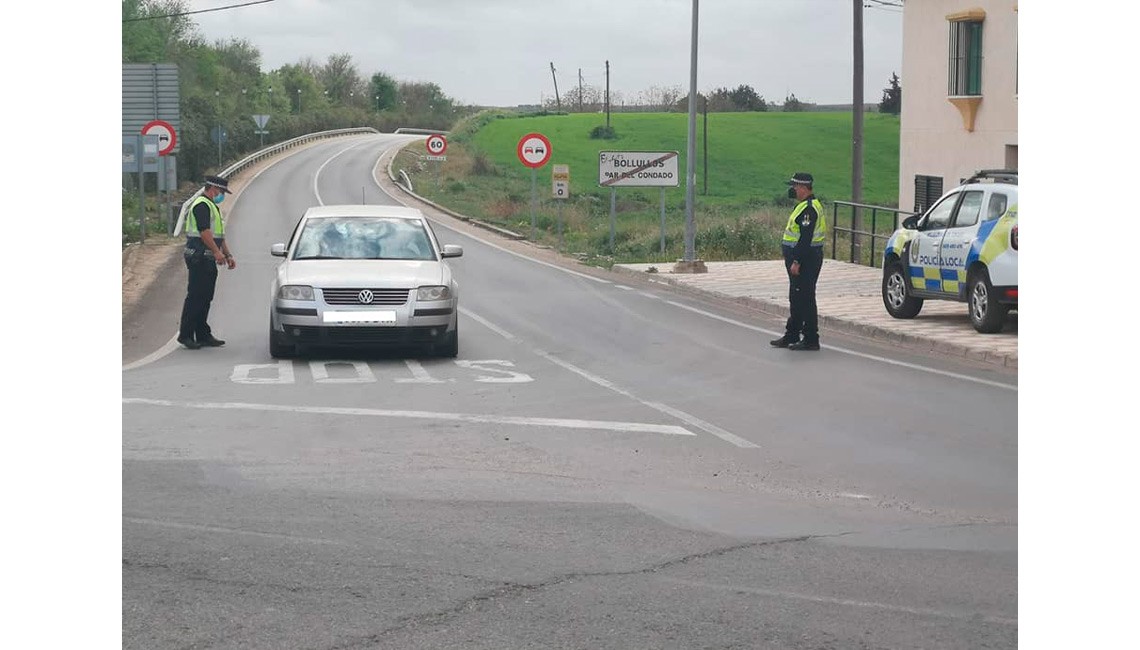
(557, 100)
(706, 148)
(857, 134)
(607, 94)
(579, 90)
(690, 264)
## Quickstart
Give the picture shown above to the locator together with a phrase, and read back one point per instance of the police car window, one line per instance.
(939, 215)
(969, 209)
(997, 206)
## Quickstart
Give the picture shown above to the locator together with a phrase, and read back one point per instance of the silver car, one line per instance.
(364, 276)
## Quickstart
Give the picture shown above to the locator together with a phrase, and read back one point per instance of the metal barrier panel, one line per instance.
(856, 237)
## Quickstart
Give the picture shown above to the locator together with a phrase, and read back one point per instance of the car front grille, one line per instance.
(379, 296)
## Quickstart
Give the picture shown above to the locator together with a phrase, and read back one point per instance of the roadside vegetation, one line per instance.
(740, 211)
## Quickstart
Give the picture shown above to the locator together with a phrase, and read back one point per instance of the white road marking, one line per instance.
(488, 324)
(419, 374)
(624, 288)
(362, 373)
(504, 376)
(657, 406)
(317, 175)
(649, 295)
(918, 611)
(853, 495)
(283, 368)
(156, 355)
(565, 423)
(872, 357)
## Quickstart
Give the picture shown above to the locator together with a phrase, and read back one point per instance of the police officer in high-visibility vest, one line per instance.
(803, 258)
(205, 251)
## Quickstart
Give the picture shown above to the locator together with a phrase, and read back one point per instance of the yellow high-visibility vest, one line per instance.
(218, 226)
(792, 231)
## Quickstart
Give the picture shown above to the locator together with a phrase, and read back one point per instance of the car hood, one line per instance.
(391, 274)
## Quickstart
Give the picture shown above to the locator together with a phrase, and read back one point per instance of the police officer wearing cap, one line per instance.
(205, 251)
(803, 258)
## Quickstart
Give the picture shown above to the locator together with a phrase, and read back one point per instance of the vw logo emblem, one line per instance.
(365, 297)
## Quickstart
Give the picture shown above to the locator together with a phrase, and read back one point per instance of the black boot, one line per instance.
(189, 343)
(804, 345)
(784, 341)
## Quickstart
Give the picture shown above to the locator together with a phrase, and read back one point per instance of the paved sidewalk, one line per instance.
(850, 300)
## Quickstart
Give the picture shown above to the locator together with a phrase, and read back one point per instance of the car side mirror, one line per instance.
(911, 222)
(277, 250)
(452, 250)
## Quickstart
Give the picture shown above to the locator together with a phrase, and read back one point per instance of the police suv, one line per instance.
(964, 248)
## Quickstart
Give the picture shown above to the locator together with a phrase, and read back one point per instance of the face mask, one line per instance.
(218, 198)
(791, 192)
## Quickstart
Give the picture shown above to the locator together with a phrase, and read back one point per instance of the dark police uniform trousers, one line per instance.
(804, 317)
(203, 276)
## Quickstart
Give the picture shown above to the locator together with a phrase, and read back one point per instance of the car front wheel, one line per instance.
(896, 293)
(986, 314)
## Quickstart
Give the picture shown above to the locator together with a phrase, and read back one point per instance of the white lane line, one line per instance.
(488, 324)
(156, 355)
(317, 175)
(847, 602)
(872, 357)
(565, 423)
(649, 295)
(235, 531)
(605, 383)
(656, 406)
(624, 288)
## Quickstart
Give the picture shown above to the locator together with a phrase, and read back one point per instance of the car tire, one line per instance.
(987, 315)
(896, 293)
(279, 350)
(450, 347)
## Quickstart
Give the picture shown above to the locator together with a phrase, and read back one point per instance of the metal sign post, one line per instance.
(561, 192)
(637, 169)
(533, 151)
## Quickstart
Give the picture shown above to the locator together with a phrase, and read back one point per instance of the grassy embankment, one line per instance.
(741, 216)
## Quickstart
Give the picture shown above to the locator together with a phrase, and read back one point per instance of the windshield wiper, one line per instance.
(319, 257)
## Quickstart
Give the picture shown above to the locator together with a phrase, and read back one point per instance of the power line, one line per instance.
(200, 11)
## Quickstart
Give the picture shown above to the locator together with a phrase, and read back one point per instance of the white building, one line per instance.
(959, 101)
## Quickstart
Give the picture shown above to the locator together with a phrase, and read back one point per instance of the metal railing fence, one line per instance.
(883, 222)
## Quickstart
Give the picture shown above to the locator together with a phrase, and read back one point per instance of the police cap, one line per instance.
(802, 178)
(218, 182)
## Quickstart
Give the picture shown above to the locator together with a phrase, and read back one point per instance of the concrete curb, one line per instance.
(863, 330)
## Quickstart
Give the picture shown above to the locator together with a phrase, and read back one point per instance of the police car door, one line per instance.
(925, 269)
(957, 241)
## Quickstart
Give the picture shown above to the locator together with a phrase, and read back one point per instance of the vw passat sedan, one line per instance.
(364, 276)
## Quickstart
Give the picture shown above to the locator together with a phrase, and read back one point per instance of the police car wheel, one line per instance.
(986, 314)
(896, 293)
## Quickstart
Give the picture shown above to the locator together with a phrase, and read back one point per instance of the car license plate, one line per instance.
(382, 317)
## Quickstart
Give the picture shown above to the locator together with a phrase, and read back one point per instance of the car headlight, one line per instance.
(433, 293)
(295, 292)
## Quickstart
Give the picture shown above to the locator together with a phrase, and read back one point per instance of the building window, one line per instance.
(927, 189)
(965, 78)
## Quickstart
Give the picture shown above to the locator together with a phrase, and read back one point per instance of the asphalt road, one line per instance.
(605, 465)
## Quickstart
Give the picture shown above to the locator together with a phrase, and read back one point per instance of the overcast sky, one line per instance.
(498, 52)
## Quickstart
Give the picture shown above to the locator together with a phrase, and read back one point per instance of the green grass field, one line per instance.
(741, 216)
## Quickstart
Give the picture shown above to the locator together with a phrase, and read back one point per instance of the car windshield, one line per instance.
(363, 238)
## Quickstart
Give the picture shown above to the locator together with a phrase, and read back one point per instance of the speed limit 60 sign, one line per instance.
(436, 144)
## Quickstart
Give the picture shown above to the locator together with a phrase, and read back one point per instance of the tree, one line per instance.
(745, 98)
(892, 97)
(793, 105)
(339, 77)
(386, 88)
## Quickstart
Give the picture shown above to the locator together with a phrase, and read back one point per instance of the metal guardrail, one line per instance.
(267, 152)
(418, 131)
(896, 216)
